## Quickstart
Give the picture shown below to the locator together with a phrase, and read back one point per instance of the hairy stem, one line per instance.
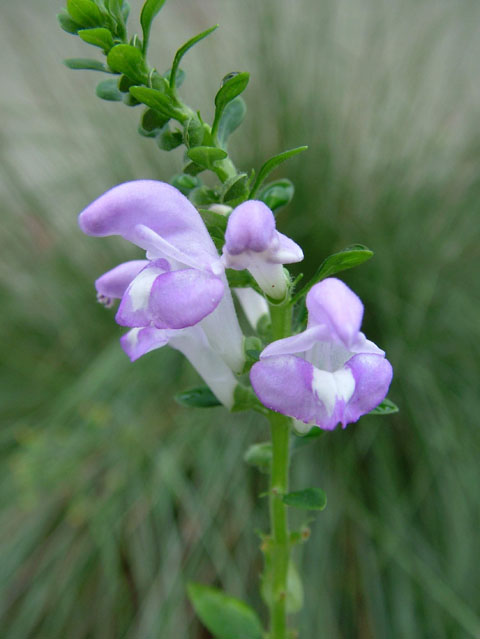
(280, 542)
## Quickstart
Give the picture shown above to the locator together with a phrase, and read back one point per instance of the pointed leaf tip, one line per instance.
(198, 397)
(387, 407)
(224, 616)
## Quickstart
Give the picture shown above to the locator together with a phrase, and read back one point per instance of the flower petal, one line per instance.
(251, 227)
(114, 283)
(134, 309)
(183, 298)
(284, 384)
(296, 344)
(156, 205)
(373, 374)
(224, 333)
(332, 304)
(140, 341)
(287, 251)
(193, 343)
(294, 387)
(253, 305)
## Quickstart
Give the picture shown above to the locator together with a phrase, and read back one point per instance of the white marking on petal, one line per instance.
(141, 287)
(132, 337)
(332, 387)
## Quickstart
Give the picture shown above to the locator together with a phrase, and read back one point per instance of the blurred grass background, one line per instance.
(111, 495)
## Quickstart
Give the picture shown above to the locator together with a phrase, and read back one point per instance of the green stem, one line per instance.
(280, 549)
(280, 541)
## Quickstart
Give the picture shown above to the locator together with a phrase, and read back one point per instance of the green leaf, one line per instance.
(260, 455)
(271, 164)
(198, 397)
(214, 221)
(85, 13)
(231, 119)
(127, 59)
(232, 85)
(277, 194)
(206, 156)
(194, 133)
(185, 183)
(348, 258)
(67, 24)
(169, 140)
(85, 63)
(241, 279)
(158, 101)
(225, 617)
(151, 123)
(183, 50)
(149, 10)
(118, 11)
(108, 90)
(307, 499)
(236, 190)
(99, 37)
(245, 399)
(294, 599)
(387, 407)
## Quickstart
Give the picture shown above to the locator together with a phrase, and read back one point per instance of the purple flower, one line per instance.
(330, 373)
(252, 242)
(179, 294)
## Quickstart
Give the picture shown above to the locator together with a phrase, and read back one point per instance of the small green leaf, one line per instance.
(294, 598)
(307, 499)
(387, 407)
(169, 140)
(225, 617)
(185, 183)
(241, 279)
(341, 261)
(214, 220)
(127, 59)
(236, 190)
(99, 37)
(259, 455)
(67, 24)
(206, 156)
(194, 133)
(118, 12)
(158, 101)
(151, 123)
(231, 119)
(108, 90)
(245, 399)
(149, 10)
(183, 50)
(85, 13)
(201, 196)
(271, 164)
(85, 63)
(198, 397)
(232, 85)
(277, 194)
